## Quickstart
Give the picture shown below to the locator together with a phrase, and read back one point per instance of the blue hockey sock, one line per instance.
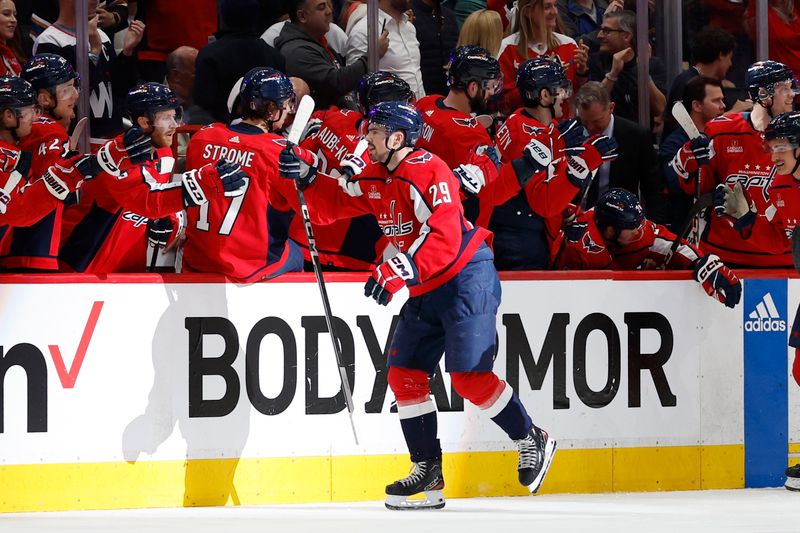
(514, 419)
(420, 433)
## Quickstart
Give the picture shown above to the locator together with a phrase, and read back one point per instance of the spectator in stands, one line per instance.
(703, 99)
(784, 31)
(402, 57)
(237, 50)
(180, 77)
(170, 25)
(615, 65)
(582, 18)
(483, 28)
(110, 76)
(636, 169)
(712, 53)
(352, 12)
(728, 15)
(437, 32)
(10, 40)
(302, 42)
(336, 37)
(464, 8)
(535, 21)
(112, 16)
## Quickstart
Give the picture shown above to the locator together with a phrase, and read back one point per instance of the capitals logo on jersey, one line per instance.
(422, 158)
(531, 130)
(466, 122)
(589, 245)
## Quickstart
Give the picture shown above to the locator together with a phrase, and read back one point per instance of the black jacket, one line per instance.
(436, 45)
(636, 169)
(326, 74)
(221, 63)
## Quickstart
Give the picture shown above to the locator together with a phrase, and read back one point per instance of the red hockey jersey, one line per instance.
(590, 251)
(775, 226)
(106, 231)
(35, 213)
(232, 236)
(739, 156)
(418, 210)
(355, 243)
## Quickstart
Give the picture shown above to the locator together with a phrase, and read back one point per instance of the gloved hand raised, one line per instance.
(718, 280)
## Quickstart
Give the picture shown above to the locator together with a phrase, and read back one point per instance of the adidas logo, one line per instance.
(765, 317)
(234, 139)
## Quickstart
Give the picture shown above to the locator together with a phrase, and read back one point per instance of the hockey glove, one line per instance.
(490, 152)
(389, 277)
(583, 160)
(67, 175)
(208, 180)
(114, 157)
(16, 164)
(158, 232)
(536, 157)
(298, 164)
(718, 280)
(692, 155)
(571, 132)
(352, 165)
(736, 203)
(471, 178)
(575, 231)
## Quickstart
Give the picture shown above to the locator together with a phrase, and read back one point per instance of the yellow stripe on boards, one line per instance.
(53, 487)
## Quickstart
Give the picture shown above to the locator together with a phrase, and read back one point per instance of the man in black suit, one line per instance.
(636, 169)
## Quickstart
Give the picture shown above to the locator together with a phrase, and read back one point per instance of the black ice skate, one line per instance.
(793, 478)
(536, 452)
(425, 476)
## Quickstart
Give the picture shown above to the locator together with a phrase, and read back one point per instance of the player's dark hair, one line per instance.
(695, 90)
(710, 42)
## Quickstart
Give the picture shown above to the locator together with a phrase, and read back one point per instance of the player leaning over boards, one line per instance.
(454, 294)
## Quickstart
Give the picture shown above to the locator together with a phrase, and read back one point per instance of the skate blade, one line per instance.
(434, 499)
(793, 484)
(549, 452)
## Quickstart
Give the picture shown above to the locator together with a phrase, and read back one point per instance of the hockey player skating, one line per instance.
(615, 234)
(454, 293)
(731, 152)
(782, 137)
(552, 165)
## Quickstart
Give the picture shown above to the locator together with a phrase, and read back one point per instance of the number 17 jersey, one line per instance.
(242, 237)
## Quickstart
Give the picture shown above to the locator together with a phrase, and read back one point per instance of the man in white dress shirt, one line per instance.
(402, 57)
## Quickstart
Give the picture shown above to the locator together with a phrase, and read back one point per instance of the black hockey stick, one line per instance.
(703, 202)
(304, 110)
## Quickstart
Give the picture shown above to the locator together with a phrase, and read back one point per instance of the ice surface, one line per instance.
(752, 510)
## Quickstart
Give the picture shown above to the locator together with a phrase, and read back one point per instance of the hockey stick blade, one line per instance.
(485, 120)
(77, 132)
(682, 117)
(304, 110)
(361, 147)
